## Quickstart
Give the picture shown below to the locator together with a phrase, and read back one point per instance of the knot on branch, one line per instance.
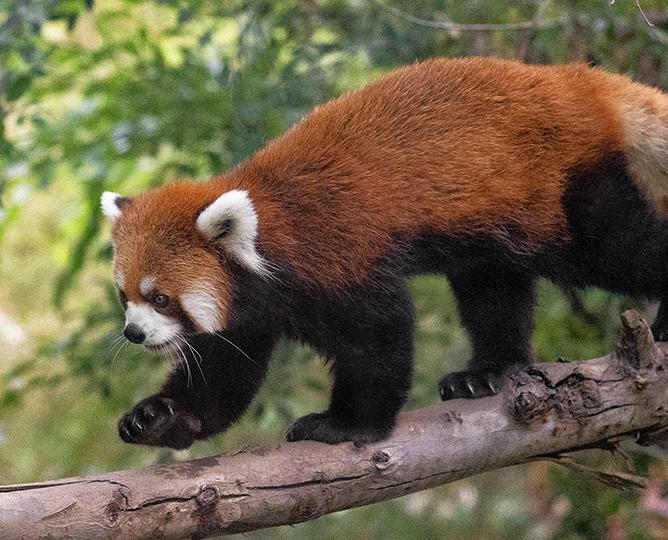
(536, 394)
(636, 349)
(381, 460)
(207, 495)
(118, 503)
(530, 402)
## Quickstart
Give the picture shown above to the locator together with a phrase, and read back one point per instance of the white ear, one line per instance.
(111, 205)
(231, 221)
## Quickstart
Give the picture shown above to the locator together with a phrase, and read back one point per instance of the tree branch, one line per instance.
(543, 412)
(536, 22)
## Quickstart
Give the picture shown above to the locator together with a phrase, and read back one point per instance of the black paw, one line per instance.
(470, 384)
(325, 428)
(158, 421)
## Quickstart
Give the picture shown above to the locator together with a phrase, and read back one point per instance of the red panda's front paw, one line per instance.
(159, 421)
(325, 428)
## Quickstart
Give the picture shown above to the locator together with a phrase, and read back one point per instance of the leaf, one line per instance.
(18, 87)
(80, 250)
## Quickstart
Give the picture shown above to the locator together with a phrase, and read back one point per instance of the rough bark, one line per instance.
(544, 411)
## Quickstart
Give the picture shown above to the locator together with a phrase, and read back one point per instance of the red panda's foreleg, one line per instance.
(368, 337)
(223, 377)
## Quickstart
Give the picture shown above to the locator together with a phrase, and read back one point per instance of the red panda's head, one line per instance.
(173, 251)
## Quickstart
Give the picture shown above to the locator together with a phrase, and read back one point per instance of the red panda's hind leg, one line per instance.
(496, 308)
(660, 325)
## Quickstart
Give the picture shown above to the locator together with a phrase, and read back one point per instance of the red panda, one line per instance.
(490, 172)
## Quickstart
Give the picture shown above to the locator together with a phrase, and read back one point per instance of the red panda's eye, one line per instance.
(160, 300)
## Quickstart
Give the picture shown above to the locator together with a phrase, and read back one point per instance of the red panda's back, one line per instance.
(468, 146)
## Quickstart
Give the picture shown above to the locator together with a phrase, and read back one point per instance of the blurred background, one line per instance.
(124, 95)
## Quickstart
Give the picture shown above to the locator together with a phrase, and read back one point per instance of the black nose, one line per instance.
(134, 333)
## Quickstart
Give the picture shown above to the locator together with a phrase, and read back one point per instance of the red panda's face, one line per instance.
(168, 268)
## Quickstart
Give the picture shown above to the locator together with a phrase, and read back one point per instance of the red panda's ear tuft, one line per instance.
(231, 222)
(112, 204)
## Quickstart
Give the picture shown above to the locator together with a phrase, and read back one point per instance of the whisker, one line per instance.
(169, 353)
(116, 336)
(164, 352)
(185, 360)
(195, 351)
(196, 354)
(238, 349)
(112, 349)
(132, 354)
(116, 341)
(118, 351)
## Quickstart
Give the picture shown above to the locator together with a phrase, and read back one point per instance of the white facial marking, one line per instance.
(239, 239)
(119, 278)
(109, 206)
(158, 328)
(147, 285)
(202, 306)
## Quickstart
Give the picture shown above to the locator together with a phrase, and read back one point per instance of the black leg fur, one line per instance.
(618, 241)
(195, 407)
(615, 241)
(495, 305)
(660, 326)
(368, 337)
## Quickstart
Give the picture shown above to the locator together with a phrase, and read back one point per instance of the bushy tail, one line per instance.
(644, 113)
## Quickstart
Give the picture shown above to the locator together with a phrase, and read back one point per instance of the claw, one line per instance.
(125, 434)
(470, 386)
(137, 424)
(491, 386)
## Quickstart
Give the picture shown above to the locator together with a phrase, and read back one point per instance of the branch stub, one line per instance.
(636, 349)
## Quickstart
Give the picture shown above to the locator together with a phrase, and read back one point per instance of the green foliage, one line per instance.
(128, 94)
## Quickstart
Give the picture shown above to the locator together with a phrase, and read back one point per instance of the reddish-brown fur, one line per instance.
(459, 147)
(559, 172)
(180, 258)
